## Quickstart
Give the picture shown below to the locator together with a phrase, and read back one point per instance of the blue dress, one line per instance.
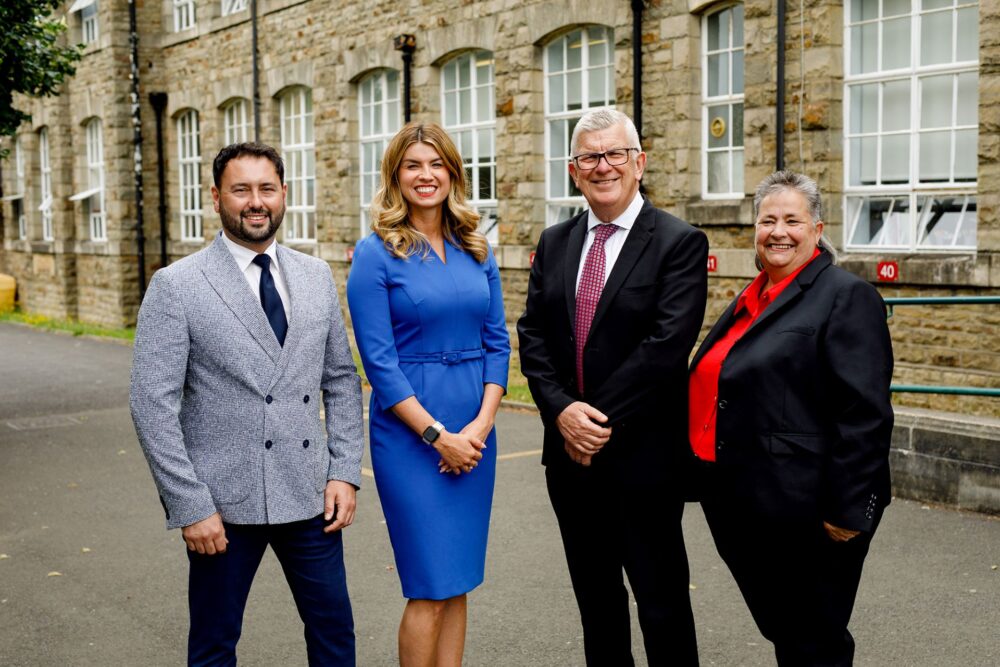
(435, 331)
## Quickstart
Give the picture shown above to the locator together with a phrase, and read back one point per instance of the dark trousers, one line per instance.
(798, 583)
(607, 528)
(313, 562)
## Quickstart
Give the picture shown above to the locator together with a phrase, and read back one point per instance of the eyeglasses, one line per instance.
(613, 157)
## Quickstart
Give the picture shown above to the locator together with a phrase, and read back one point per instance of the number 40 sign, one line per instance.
(887, 272)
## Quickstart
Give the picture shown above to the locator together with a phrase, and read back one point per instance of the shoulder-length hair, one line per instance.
(390, 211)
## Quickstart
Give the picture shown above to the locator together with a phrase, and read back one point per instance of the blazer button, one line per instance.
(305, 399)
(267, 445)
(305, 444)
(721, 444)
(268, 399)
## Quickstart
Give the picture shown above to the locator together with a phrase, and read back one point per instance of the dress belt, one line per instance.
(447, 358)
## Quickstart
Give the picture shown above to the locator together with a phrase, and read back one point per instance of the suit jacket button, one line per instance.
(267, 445)
(305, 444)
(720, 445)
(722, 405)
(305, 399)
(268, 399)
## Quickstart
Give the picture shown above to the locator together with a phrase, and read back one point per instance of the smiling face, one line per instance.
(785, 235)
(250, 201)
(423, 178)
(608, 190)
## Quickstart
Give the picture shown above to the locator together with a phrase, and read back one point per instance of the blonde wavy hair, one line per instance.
(390, 212)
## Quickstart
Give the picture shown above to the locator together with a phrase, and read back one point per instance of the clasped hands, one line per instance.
(582, 431)
(461, 452)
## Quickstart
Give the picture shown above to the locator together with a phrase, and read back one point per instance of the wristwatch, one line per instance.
(432, 433)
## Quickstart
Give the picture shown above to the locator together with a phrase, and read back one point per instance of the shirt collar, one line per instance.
(754, 299)
(625, 220)
(244, 256)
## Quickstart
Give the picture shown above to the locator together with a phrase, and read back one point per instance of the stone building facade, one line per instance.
(897, 122)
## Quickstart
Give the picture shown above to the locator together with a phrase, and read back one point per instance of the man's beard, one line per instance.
(234, 224)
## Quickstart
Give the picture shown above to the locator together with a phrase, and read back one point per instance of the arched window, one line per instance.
(93, 195)
(298, 146)
(469, 112)
(189, 164)
(235, 123)
(722, 103)
(19, 199)
(379, 112)
(45, 182)
(579, 76)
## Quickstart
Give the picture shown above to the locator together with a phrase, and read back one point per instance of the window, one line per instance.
(17, 199)
(45, 172)
(380, 119)
(911, 105)
(233, 6)
(722, 104)
(299, 152)
(184, 16)
(579, 76)
(189, 163)
(88, 19)
(93, 196)
(470, 118)
(235, 125)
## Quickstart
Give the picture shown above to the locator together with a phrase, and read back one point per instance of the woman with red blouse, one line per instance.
(790, 411)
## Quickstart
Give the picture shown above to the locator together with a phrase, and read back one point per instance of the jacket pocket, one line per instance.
(802, 330)
(794, 443)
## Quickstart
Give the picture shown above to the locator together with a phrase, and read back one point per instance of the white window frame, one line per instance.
(236, 123)
(45, 182)
(903, 205)
(20, 203)
(189, 175)
(731, 52)
(93, 197)
(559, 207)
(185, 16)
(474, 133)
(379, 118)
(298, 147)
(233, 6)
(89, 26)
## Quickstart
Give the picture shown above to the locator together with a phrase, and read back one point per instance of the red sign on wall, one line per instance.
(713, 263)
(531, 258)
(887, 272)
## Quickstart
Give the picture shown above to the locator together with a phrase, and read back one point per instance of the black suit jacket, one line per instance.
(804, 417)
(645, 325)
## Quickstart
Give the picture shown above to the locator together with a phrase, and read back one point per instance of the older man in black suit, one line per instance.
(615, 302)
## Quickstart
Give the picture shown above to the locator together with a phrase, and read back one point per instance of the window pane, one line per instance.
(737, 133)
(862, 10)
(557, 100)
(718, 172)
(935, 101)
(718, 126)
(880, 221)
(738, 27)
(449, 75)
(574, 95)
(935, 4)
(574, 48)
(464, 72)
(484, 104)
(968, 99)
(896, 159)
(714, 39)
(558, 144)
(465, 106)
(895, 7)
(596, 82)
(485, 183)
(557, 178)
(598, 48)
(738, 171)
(939, 219)
(896, 43)
(966, 155)
(935, 156)
(864, 42)
(864, 108)
(968, 34)
(485, 140)
(737, 72)
(935, 38)
(863, 160)
(555, 56)
(896, 106)
(450, 109)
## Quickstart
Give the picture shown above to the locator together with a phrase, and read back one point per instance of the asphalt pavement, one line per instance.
(89, 575)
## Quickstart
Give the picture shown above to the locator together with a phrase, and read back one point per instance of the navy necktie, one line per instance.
(270, 299)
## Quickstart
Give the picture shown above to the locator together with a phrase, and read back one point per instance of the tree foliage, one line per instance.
(32, 59)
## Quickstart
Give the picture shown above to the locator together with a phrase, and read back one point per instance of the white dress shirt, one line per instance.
(613, 246)
(244, 259)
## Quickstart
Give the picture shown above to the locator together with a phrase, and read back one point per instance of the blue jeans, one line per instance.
(313, 562)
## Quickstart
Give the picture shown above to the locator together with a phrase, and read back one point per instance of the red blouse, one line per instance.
(703, 385)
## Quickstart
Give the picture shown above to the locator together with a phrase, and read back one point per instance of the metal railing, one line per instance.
(891, 302)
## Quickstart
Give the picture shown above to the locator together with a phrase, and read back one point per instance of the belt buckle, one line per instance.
(451, 358)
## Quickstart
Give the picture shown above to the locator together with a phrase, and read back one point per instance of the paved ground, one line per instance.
(76, 499)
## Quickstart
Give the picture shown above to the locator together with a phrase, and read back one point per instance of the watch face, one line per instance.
(431, 434)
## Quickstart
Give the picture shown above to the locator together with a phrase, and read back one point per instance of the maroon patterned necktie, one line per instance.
(589, 293)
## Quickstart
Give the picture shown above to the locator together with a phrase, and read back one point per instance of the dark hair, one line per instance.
(252, 149)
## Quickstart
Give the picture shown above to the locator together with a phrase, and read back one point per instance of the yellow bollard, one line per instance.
(7, 287)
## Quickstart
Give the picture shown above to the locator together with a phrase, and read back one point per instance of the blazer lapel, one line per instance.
(574, 248)
(225, 277)
(636, 242)
(792, 291)
(720, 327)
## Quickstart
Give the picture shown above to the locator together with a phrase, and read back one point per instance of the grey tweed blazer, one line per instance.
(229, 419)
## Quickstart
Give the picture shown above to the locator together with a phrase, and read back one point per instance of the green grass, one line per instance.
(73, 327)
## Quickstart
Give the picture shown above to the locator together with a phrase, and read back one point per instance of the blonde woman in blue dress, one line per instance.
(427, 309)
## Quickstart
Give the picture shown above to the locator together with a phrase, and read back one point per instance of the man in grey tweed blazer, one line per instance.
(236, 347)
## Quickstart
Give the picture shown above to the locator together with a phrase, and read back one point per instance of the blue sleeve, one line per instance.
(368, 301)
(496, 339)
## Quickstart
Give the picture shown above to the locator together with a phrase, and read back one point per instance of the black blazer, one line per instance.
(635, 360)
(804, 416)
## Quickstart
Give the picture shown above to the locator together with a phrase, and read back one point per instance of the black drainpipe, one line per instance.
(779, 102)
(407, 44)
(159, 102)
(140, 235)
(256, 71)
(637, 8)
